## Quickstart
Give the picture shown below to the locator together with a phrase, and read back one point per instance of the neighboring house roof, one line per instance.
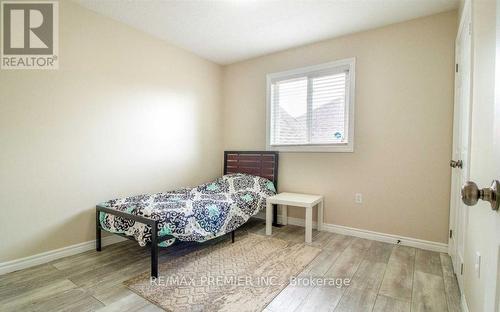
(328, 125)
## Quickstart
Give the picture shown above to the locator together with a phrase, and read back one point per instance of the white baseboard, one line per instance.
(376, 236)
(23, 263)
(44, 257)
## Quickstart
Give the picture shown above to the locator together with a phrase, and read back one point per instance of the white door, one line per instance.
(482, 275)
(494, 172)
(461, 144)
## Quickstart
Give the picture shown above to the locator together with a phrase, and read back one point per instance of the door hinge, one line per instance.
(462, 269)
(470, 28)
(451, 233)
(456, 68)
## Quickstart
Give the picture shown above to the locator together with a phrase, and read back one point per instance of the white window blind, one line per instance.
(310, 107)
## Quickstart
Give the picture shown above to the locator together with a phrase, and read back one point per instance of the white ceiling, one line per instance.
(227, 31)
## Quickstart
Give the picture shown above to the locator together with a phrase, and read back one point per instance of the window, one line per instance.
(312, 109)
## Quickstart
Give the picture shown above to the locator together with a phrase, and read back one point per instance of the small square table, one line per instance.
(298, 200)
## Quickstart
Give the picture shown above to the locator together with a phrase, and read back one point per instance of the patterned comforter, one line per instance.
(192, 214)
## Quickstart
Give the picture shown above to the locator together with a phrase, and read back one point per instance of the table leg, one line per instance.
(320, 215)
(269, 218)
(308, 224)
(284, 214)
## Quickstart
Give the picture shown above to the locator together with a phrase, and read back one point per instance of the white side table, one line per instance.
(299, 200)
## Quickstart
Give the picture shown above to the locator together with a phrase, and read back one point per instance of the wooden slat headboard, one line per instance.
(259, 163)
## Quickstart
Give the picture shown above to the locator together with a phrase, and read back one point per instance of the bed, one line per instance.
(199, 213)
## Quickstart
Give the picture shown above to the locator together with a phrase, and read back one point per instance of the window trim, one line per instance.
(329, 148)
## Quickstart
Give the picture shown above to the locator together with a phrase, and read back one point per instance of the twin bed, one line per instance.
(196, 214)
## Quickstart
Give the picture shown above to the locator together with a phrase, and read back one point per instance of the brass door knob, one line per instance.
(456, 164)
(471, 194)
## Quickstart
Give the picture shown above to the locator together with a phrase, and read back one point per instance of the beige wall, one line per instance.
(403, 127)
(125, 114)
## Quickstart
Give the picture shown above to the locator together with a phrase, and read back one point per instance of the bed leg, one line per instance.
(97, 231)
(154, 250)
(232, 236)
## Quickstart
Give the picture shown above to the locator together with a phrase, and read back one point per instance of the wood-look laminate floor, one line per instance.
(384, 278)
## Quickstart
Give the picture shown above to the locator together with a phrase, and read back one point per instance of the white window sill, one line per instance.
(340, 148)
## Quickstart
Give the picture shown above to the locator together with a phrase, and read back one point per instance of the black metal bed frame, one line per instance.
(155, 239)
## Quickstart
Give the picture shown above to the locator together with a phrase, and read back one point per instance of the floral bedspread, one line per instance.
(192, 214)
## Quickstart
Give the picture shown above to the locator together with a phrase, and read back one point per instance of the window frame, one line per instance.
(329, 148)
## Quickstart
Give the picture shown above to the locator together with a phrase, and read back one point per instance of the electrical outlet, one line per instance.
(477, 264)
(358, 198)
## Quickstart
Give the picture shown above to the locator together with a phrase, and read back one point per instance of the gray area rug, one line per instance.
(244, 276)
